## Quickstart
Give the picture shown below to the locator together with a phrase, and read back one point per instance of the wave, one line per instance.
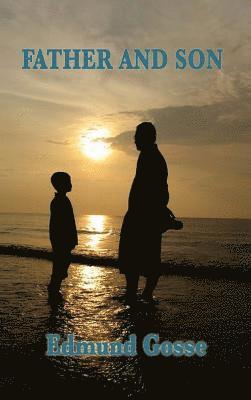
(93, 232)
(172, 267)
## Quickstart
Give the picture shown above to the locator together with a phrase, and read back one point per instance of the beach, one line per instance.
(92, 307)
(203, 295)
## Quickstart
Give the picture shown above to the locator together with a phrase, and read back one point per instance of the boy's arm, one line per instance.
(73, 235)
(55, 226)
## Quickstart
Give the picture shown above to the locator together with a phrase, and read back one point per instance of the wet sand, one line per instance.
(92, 308)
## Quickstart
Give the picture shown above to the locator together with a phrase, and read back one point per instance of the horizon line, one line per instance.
(112, 215)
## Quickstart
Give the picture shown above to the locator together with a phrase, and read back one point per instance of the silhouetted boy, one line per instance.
(63, 232)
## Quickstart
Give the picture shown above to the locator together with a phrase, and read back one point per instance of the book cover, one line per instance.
(125, 221)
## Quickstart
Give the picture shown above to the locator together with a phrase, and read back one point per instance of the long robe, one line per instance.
(140, 238)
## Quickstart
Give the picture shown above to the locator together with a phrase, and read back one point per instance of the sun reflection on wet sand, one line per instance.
(87, 296)
(90, 278)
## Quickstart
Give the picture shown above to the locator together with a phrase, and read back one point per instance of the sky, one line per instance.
(83, 122)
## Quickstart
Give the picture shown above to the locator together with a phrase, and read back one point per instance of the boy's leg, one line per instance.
(61, 263)
(55, 282)
(66, 261)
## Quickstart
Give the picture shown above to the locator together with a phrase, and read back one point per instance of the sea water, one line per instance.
(202, 242)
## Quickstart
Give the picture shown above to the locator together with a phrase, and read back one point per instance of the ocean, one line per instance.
(203, 243)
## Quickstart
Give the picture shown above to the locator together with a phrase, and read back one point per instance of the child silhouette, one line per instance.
(63, 232)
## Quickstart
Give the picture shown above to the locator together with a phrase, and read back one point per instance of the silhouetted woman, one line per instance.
(140, 239)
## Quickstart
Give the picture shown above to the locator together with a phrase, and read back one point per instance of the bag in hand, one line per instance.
(169, 221)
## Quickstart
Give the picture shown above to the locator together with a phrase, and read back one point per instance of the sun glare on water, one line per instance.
(93, 144)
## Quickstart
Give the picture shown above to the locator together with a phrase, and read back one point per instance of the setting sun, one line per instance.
(93, 144)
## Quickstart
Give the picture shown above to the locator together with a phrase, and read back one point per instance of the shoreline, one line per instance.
(169, 268)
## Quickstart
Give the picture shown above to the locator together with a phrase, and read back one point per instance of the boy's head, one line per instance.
(61, 181)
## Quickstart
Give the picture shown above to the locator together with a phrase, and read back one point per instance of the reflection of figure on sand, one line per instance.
(63, 233)
(140, 240)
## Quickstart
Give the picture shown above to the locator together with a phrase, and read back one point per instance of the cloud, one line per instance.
(223, 122)
(60, 142)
